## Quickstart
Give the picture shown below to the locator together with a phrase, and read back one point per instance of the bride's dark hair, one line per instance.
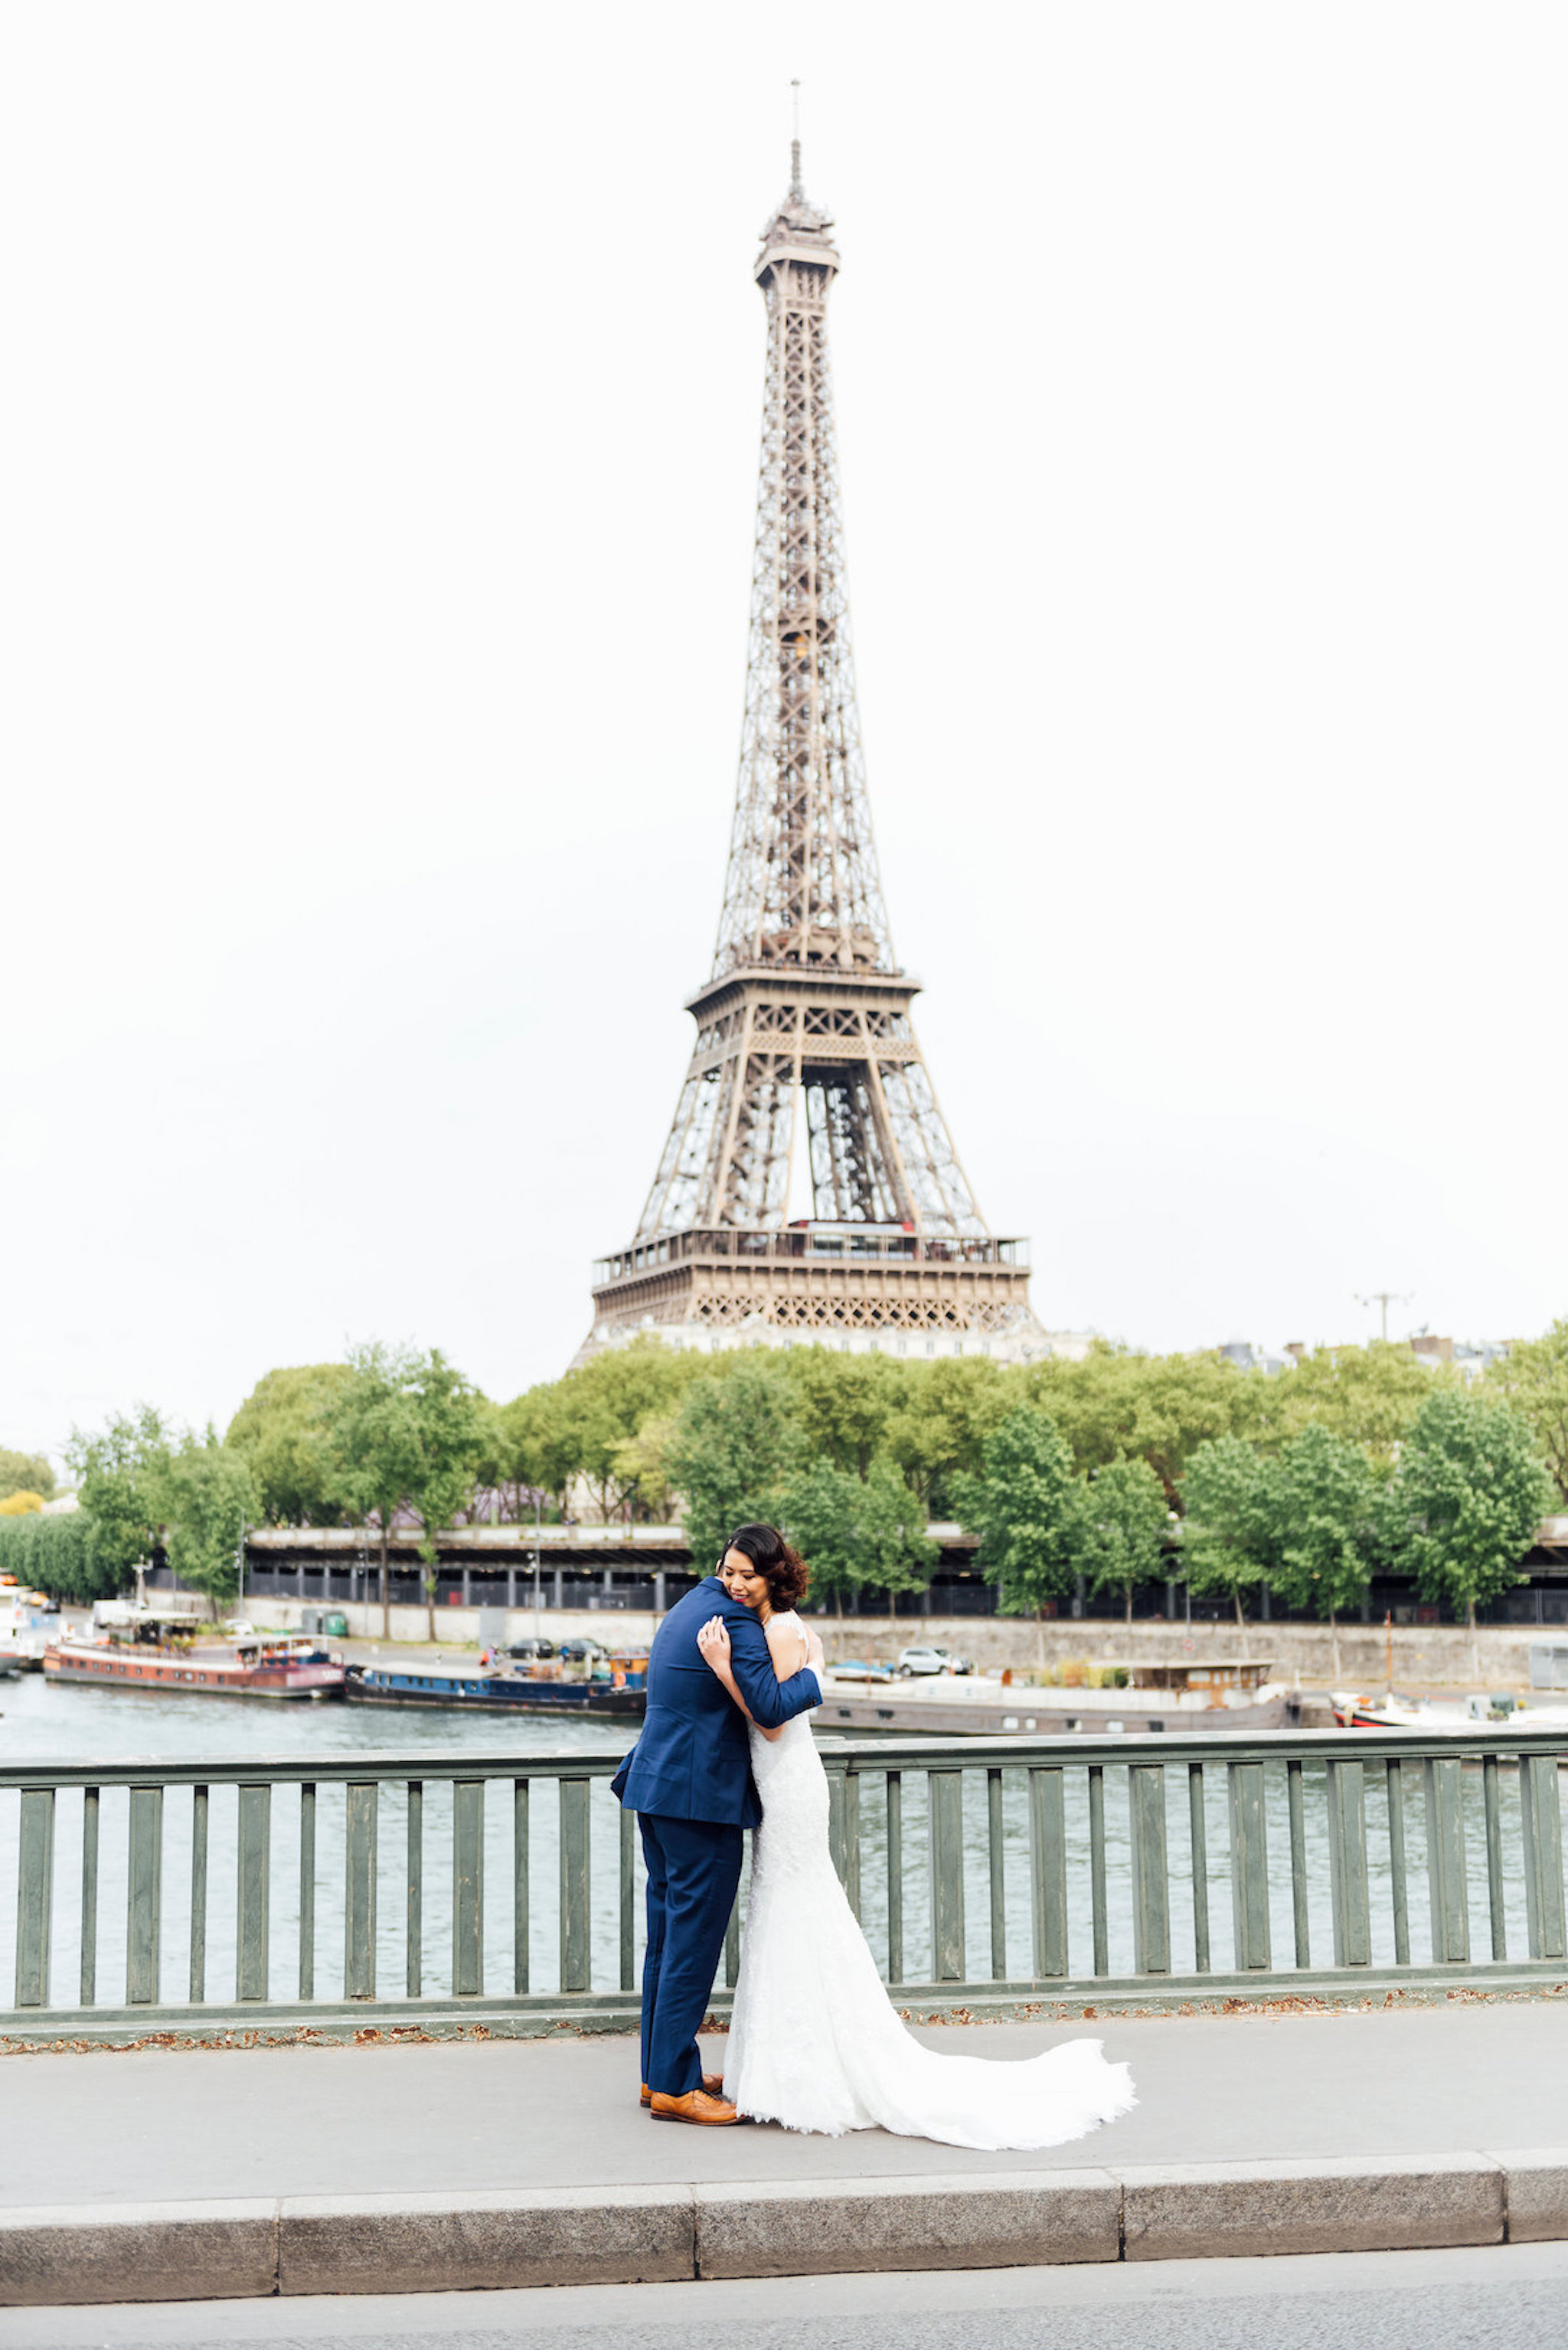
(783, 1570)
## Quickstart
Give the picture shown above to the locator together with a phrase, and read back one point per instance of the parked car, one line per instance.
(913, 1662)
(530, 1652)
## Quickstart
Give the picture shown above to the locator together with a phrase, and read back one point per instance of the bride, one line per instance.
(814, 2042)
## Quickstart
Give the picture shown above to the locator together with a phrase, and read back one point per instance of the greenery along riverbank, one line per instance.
(1122, 1469)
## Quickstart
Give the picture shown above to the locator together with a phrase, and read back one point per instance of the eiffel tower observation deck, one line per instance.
(805, 1049)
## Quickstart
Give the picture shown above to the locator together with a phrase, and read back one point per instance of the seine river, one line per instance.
(40, 1723)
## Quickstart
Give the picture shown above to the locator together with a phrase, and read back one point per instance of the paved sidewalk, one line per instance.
(159, 2125)
(211, 2174)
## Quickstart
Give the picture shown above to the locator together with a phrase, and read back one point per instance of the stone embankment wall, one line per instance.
(1422, 1656)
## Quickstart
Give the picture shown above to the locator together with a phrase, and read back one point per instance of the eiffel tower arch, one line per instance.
(805, 1049)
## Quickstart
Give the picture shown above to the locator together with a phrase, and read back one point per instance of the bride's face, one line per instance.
(740, 1579)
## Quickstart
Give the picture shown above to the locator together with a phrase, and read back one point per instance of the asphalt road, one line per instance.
(1511, 2298)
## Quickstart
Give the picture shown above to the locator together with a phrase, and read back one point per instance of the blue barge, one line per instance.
(623, 1697)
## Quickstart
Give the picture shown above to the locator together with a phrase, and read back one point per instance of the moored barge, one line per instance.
(263, 1664)
(620, 1695)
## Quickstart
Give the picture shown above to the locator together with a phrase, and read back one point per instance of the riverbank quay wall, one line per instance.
(640, 1570)
(1421, 1656)
(448, 1891)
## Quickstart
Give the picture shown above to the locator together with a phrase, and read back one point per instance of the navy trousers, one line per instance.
(693, 1869)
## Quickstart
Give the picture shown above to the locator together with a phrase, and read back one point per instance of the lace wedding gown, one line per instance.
(814, 2043)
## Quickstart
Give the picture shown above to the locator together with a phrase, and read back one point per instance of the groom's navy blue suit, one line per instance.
(689, 1777)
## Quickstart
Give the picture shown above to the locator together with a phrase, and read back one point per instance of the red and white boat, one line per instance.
(259, 1664)
(1390, 1712)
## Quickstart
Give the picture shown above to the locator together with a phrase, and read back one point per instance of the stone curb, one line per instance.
(1368, 2203)
(55, 2255)
(990, 2220)
(468, 2242)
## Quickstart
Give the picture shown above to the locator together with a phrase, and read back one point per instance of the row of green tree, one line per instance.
(388, 1431)
(1314, 1520)
(624, 1425)
(1116, 1470)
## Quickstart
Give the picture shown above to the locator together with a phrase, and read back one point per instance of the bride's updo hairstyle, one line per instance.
(783, 1570)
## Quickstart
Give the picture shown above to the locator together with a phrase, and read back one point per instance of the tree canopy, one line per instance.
(1027, 1511)
(1124, 1526)
(734, 1446)
(208, 1497)
(1106, 1467)
(122, 1475)
(1472, 1490)
(281, 1429)
(26, 1473)
(1533, 1378)
(59, 1555)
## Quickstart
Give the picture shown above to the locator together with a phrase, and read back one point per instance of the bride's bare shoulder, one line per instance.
(786, 1639)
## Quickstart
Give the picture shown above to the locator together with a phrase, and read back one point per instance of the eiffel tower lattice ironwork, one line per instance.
(805, 1042)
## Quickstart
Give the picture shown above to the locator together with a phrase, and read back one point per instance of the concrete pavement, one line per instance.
(158, 2174)
(163, 2125)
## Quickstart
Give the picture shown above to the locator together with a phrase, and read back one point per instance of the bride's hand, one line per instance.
(714, 1641)
(815, 1657)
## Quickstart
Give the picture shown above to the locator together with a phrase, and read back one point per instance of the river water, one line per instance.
(43, 1722)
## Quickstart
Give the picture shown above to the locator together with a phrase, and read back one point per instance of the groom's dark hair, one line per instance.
(783, 1570)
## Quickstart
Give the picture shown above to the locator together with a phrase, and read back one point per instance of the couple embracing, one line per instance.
(814, 2043)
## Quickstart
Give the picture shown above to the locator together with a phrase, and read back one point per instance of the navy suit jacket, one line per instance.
(694, 1760)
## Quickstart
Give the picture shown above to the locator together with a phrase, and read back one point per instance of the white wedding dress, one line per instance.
(814, 2042)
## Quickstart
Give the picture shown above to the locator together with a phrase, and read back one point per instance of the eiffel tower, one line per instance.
(805, 1042)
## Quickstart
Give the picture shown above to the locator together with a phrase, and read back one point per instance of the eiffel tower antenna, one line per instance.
(804, 1041)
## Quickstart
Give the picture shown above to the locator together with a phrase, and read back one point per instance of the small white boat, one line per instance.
(25, 1631)
(1352, 1712)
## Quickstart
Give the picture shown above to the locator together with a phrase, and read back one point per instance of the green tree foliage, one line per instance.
(843, 1403)
(59, 1555)
(641, 1464)
(1117, 1405)
(937, 1434)
(404, 1431)
(1368, 1396)
(536, 1441)
(26, 1473)
(208, 1497)
(857, 1531)
(1124, 1523)
(1027, 1511)
(579, 1425)
(1533, 1378)
(817, 1513)
(1471, 1492)
(890, 1529)
(1330, 1503)
(454, 1425)
(280, 1428)
(733, 1447)
(607, 1398)
(121, 1469)
(1235, 1510)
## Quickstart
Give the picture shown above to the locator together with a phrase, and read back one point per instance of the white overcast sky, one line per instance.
(380, 421)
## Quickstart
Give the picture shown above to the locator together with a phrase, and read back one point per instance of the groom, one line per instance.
(688, 1779)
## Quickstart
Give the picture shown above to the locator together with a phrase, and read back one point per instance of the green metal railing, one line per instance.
(992, 1875)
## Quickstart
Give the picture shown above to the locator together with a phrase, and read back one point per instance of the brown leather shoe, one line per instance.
(696, 2105)
(713, 2082)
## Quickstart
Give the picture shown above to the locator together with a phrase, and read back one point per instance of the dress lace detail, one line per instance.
(814, 2042)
